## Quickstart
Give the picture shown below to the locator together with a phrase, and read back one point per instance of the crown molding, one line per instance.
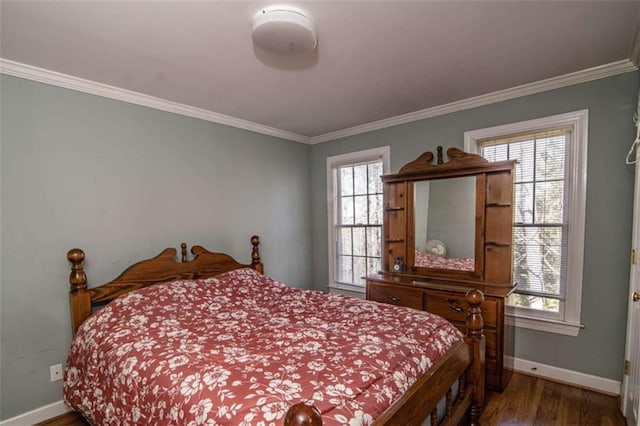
(595, 73)
(54, 78)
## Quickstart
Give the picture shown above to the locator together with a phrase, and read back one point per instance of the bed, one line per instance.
(212, 341)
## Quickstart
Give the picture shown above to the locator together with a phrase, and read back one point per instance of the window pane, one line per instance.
(535, 302)
(550, 153)
(523, 152)
(496, 152)
(549, 202)
(360, 179)
(346, 216)
(373, 265)
(537, 259)
(359, 269)
(346, 181)
(344, 241)
(374, 241)
(375, 183)
(359, 242)
(361, 210)
(523, 199)
(375, 209)
(345, 269)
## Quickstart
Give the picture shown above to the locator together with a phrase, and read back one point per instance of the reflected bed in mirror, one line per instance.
(445, 215)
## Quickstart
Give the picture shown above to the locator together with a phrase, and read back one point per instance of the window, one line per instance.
(549, 209)
(354, 192)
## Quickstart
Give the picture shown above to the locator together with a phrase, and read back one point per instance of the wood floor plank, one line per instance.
(68, 419)
(532, 401)
(570, 397)
(547, 412)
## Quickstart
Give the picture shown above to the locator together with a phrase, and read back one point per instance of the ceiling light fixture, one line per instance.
(283, 29)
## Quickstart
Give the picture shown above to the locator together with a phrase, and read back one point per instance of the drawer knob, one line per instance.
(457, 308)
(394, 299)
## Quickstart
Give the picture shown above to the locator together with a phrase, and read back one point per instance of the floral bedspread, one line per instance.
(428, 260)
(240, 349)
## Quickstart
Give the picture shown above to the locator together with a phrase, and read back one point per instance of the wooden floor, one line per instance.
(527, 401)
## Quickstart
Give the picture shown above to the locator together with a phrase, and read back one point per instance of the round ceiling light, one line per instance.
(283, 29)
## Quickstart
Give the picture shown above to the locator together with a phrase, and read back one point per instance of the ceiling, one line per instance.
(375, 60)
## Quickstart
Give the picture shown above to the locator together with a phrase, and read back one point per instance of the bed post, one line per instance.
(476, 340)
(255, 255)
(79, 297)
(301, 414)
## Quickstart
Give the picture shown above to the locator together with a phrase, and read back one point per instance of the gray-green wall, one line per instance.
(599, 348)
(123, 182)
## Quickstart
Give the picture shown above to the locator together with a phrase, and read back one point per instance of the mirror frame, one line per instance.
(493, 215)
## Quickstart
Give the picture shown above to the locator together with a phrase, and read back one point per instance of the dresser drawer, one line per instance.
(395, 295)
(455, 308)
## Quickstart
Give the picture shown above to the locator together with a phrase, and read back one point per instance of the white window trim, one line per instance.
(569, 323)
(333, 162)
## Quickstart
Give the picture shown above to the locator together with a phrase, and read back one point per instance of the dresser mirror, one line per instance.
(450, 219)
(444, 212)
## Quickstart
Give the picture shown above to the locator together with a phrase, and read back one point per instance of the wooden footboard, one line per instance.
(463, 363)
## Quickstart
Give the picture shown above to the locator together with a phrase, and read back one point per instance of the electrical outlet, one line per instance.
(55, 372)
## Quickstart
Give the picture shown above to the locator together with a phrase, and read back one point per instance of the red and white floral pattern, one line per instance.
(240, 349)
(428, 260)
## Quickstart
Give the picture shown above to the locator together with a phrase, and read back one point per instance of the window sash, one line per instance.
(566, 320)
(359, 262)
(332, 165)
(358, 197)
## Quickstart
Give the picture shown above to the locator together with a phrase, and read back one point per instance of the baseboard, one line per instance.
(574, 378)
(38, 415)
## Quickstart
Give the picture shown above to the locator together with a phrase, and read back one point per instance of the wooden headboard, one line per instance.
(159, 269)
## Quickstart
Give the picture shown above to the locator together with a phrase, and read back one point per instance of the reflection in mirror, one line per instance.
(445, 213)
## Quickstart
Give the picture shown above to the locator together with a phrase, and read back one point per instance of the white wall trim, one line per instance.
(595, 73)
(38, 415)
(54, 78)
(542, 324)
(570, 377)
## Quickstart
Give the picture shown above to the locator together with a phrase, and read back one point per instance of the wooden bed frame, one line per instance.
(464, 362)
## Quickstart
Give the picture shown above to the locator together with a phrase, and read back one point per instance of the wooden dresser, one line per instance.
(447, 229)
(448, 300)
